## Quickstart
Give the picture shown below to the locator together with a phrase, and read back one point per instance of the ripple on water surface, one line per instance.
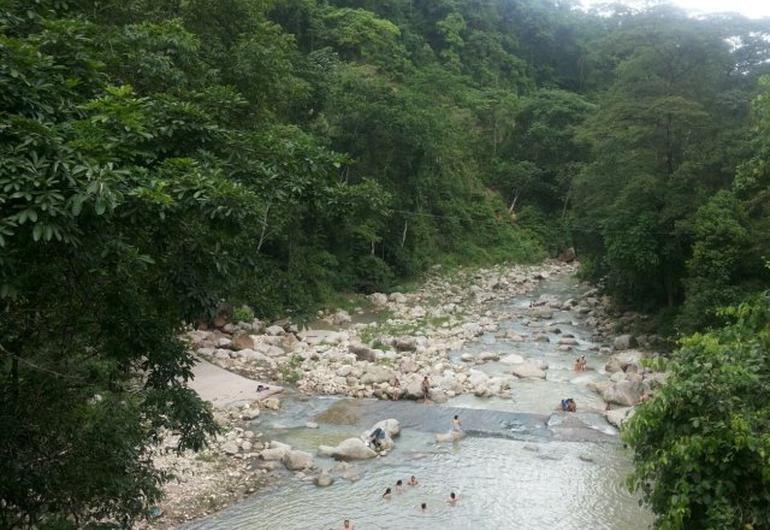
(501, 484)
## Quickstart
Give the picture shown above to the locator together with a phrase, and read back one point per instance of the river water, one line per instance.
(522, 466)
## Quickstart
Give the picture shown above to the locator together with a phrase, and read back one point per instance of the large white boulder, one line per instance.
(350, 449)
(528, 370)
(624, 393)
(376, 374)
(512, 358)
(295, 460)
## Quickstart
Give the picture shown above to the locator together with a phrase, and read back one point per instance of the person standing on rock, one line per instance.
(396, 392)
(425, 388)
(456, 424)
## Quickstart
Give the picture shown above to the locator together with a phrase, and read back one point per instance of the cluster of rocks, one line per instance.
(390, 357)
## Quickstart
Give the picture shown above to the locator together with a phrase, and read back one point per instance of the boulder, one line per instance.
(412, 387)
(323, 480)
(376, 374)
(512, 358)
(243, 341)
(391, 426)
(341, 318)
(405, 343)
(408, 366)
(272, 403)
(528, 370)
(568, 255)
(467, 358)
(624, 393)
(350, 449)
(274, 454)
(378, 299)
(623, 342)
(230, 447)
(620, 361)
(275, 331)
(543, 313)
(618, 417)
(295, 460)
(489, 356)
(362, 352)
(568, 341)
(397, 298)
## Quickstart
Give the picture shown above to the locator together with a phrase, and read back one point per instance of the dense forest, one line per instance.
(161, 157)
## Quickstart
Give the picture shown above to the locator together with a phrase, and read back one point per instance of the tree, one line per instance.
(701, 443)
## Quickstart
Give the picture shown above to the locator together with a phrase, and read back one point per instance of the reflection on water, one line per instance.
(523, 465)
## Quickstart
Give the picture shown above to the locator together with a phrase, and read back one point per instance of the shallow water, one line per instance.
(522, 466)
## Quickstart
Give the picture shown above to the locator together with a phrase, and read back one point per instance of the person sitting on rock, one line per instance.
(571, 405)
(376, 438)
(387, 495)
(425, 388)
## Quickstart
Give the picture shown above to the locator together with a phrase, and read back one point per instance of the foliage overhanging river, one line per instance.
(522, 465)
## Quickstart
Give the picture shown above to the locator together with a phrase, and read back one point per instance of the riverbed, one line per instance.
(522, 464)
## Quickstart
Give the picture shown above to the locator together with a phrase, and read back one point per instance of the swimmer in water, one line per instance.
(347, 525)
(387, 494)
(412, 481)
(399, 486)
(456, 424)
(424, 507)
(452, 498)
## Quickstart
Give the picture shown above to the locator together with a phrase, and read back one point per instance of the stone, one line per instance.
(543, 313)
(376, 374)
(362, 352)
(311, 425)
(295, 460)
(242, 341)
(624, 393)
(528, 370)
(275, 331)
(378, 299)
(405, 343)
(350, 449)
(323, 480)
(618, 417)
(568, 341)
(230, 447)
(617, 377)
(249, 414)
(272, 403)
(489, 356)
(620, 361)
(341, 318)
(568, 255)
(225, 343)
(512, 358)
(412, 387)
(623, 342)
(467, 358)
(273, 454)
(390, 426)
(541, 338)
(397, 298)
(408, 366)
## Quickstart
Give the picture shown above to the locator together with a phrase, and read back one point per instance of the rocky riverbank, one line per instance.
(385, 350)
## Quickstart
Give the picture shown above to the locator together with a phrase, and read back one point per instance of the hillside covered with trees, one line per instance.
(161, 157)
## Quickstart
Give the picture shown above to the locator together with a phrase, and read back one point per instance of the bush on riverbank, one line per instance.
(702, 443)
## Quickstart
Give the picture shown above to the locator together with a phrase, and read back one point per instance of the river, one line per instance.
(521, 466)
